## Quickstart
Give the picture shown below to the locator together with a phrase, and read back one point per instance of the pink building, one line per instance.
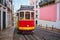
(50, 15)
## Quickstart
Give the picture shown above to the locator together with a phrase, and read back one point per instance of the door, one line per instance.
(36, 22)
(0, 20)
(4, 20)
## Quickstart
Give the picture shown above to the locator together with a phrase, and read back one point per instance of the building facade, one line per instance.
(5, 13)
(35, 3)
(49, 13)
(9, 12)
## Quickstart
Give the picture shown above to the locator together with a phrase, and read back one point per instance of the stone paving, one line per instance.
(38, 34)
(7, 34)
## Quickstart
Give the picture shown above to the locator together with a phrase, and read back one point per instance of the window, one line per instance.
(45, 0)
(21, 15)
(36, 16)
(1, 1)
(36, 11)
(36, 6)
(27, 15)
(4, 2)
(32, 15)
(36, 1)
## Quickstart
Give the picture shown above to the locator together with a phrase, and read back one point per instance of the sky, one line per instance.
(17, 3)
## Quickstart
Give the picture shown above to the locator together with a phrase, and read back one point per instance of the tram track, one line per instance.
(31, 37)
(37, 38)
(21, 37)
(26, 37)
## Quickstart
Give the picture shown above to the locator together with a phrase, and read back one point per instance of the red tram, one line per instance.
(26, 20)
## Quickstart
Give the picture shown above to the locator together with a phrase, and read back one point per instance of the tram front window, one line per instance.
(32, 15)
(27, 15)
(21, 15)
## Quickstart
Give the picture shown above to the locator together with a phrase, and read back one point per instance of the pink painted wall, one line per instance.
(59, 16)
(48, 13)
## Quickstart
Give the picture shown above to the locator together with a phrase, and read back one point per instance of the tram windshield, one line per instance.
(21, 15)
(27, 15)
(32, 15)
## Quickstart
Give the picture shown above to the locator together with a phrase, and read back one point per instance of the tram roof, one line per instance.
(25, 11)
(26, 7)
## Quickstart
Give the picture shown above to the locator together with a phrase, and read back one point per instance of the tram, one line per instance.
(26, 20)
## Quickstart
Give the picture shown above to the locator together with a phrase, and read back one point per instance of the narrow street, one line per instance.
(41, 16)
(38, 34)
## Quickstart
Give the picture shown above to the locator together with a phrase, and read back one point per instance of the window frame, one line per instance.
(20, 16)
(29, 15)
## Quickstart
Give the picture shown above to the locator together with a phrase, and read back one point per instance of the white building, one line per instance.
(5, 8)
(35, 3)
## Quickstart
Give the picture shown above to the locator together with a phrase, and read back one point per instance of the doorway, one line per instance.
(0, 20)
(36, 22)
(4, 20)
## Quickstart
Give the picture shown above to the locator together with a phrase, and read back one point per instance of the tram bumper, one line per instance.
(26, 28)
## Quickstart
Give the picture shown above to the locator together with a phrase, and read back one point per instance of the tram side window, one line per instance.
(17, 16)
(27, 15)
(21, 15)
(32, 15)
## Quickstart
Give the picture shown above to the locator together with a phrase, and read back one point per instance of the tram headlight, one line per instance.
(27, 25)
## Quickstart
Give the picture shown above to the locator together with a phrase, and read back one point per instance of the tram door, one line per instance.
(0, 20)
(4, 20)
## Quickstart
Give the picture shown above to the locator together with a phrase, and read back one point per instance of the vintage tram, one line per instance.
(26, 20)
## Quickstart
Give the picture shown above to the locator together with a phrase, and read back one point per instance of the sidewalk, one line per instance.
(7, 34)
(50, 29)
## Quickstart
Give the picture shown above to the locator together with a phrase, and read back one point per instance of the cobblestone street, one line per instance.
(7, 34)
(38, 34)
(29, 19)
